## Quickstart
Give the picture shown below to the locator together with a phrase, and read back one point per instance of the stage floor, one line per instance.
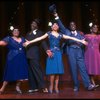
(66, 92)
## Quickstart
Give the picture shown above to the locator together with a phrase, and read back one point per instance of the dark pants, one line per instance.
(36, 77)
(76, 61)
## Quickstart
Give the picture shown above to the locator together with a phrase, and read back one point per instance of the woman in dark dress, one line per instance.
(16, 68)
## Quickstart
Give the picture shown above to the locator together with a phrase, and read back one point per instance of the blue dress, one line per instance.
(55, 64)
(16, 63)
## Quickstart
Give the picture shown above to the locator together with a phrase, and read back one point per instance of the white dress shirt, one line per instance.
(74, 32)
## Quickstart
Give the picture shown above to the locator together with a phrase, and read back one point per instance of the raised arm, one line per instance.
(63, 29)
(3, 43)
(35, 40)
(75, 39)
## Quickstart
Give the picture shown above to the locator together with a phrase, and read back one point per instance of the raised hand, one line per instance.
(55, 14)
(52, 8)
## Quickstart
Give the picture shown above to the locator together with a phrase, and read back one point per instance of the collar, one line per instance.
(74, 32)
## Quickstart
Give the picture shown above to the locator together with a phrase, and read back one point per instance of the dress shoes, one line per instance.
(31, 91)
(91, 87)
(76, 89)
(18, 90)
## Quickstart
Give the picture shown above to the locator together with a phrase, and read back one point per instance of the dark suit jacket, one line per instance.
(33, 50)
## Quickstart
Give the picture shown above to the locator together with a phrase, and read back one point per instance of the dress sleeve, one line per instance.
(6, 39)
(60, 35)
(49, 33)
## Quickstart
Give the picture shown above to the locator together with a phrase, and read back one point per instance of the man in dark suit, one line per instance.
(36, 78)
(74, 52)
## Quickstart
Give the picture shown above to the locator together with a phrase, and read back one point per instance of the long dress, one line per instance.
(54, 65)
(92, 54)
(16, 63)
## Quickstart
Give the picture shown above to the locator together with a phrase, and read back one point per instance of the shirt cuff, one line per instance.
(56, 18)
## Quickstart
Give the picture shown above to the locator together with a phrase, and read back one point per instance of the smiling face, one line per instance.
(94, 29)
(55, 27)
(15, 32)
(34, 25)
(72, 26)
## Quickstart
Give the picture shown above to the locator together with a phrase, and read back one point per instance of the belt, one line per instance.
(55, 48)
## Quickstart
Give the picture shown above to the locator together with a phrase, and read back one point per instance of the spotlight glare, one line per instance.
(11, 27)
(90, 24)
(50, 24)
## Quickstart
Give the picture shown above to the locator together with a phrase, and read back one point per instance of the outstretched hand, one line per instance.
(26, 43)
(84, 42)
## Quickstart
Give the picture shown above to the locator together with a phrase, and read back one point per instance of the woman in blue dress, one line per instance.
(16, 68)
(54, 66)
